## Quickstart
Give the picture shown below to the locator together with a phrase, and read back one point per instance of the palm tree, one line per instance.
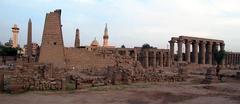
(219, 57)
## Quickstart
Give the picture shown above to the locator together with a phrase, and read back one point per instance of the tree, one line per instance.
(123, 46)
(146, 46)
(7, 51)
(219, 57)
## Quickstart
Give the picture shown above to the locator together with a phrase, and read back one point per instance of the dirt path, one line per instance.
(141, 93)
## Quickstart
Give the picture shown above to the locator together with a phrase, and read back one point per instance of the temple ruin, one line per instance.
(102, 65)
(202, 49)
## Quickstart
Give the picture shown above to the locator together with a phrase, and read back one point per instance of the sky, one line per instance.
(130, 22)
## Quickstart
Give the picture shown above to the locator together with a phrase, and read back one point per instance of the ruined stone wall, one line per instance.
(77, 58)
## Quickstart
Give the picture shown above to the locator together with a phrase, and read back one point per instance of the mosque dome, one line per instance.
(95, 43)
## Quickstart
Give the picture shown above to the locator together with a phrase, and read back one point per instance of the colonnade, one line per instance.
(151, 57)
(155, 58)
(232, 58)
(202, 49)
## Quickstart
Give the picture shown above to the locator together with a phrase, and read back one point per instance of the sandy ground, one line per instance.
(190, 92)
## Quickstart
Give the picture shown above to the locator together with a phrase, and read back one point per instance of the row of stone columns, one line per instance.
(232, 59)
(156, 59)
(203, 56)
(149, 58)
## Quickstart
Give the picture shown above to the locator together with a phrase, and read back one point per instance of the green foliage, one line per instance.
(219, 56)
(146, 46)
(123, 46)
(8, 51)
(70, 86)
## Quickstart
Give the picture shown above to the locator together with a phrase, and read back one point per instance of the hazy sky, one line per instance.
(131, 22)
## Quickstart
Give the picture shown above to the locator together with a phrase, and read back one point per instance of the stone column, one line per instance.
(1, 82)
(180, 42)
(135, 55)
(195, 51)
(172, 42)
(222, 48)
(126, 53)
(215, 48)
(161, 59)
(168, 60)
(209, 53)
(187, 51)
(233, 57)
(146, 59)
(234, 61)
(154, 59)
(203, 52)
(238, 59)
(227, 59)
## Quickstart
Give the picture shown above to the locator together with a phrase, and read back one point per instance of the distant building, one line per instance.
(95, 43)
(9, 43)
(35, 50)
(105, 37)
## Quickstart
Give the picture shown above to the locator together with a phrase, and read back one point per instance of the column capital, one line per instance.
(195, 41)
(216, 43)
(187, 41)
(210, 43)
(172, 41)
(203, 42)
(222, 44)
(180, 41)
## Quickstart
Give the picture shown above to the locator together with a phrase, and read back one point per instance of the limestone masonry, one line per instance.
(55, 67)
(52, 47)
(197, 50)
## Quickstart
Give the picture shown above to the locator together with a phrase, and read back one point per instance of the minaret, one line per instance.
(105, 37)
(15, 31)
(77, 40)
(29, 39)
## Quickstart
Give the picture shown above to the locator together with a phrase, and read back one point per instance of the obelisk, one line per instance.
(29, 39)
(77, 40)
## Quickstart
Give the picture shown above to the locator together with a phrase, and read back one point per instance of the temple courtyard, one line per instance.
(188, 92)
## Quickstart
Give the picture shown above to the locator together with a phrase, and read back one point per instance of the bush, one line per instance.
(70, 86)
